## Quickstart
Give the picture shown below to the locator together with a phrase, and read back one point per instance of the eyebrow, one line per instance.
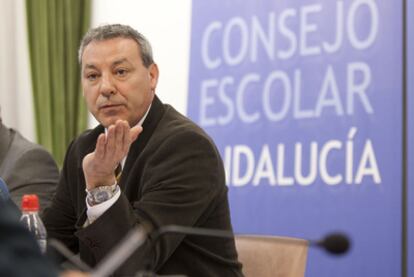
(89, 66)
(115, 63)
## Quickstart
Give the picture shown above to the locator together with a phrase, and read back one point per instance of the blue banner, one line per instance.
(410, 137)
(304, 102)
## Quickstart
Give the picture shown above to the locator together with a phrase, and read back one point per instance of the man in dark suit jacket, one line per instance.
(171, 171)
(26, 167)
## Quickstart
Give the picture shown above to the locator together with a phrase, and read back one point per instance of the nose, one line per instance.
(107, 87)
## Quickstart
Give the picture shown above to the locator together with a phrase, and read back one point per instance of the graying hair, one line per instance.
(106, 32)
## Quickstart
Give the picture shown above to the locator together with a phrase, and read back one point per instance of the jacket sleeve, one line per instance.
(35, 172)
(181, 177)
(60, 217)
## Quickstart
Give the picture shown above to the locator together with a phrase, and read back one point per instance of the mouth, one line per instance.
(109, 106)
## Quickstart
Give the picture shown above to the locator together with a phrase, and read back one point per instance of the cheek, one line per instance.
(90, 99)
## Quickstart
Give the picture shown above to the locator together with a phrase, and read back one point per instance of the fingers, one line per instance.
(110, 141)
(129, 136)
(110, 149)
(134, 133)
(119, 138)
(114, 142)
(120, 133)
(125, 139)
(114, 146)
(100, 147)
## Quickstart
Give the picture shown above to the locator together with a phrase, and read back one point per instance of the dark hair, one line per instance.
(106, 32)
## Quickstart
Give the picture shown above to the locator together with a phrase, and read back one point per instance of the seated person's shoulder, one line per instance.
(21, 145)
(23, 151)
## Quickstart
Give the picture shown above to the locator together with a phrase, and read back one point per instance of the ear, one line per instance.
(153, 75)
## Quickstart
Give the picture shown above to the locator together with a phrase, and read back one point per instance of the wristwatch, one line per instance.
(101, 194)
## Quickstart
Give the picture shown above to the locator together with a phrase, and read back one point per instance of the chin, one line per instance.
(108, 122)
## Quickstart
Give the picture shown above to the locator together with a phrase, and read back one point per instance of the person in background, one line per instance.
(172, 172)
(26, 167)
(20, 254)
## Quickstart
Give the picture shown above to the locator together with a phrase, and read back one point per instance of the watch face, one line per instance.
(101, 196)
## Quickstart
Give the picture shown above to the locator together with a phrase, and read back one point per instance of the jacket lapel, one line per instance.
(154, 116)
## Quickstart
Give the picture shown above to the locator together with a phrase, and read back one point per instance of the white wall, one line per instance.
(16, 99)
(166, 24)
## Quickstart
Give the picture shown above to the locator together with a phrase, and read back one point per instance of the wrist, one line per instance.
(94, 182)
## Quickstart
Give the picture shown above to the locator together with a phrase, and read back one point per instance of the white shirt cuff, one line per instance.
(93, 212)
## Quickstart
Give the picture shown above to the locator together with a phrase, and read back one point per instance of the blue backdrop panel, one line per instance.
(410, 128)
(303, 99)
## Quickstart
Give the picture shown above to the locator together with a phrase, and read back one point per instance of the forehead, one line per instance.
(110, 50)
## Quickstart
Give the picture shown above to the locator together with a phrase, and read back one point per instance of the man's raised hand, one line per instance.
(111, 148)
